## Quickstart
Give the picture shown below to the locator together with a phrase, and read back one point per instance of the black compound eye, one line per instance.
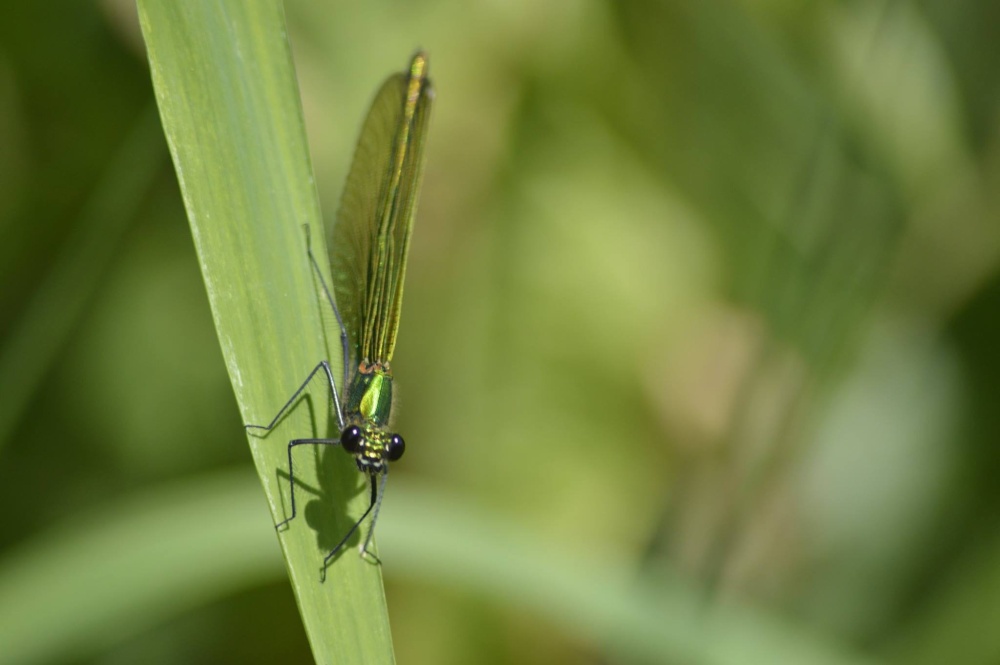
(351, 439)
(396, 447)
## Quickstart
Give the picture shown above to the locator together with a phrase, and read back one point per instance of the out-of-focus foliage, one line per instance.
(708, 290)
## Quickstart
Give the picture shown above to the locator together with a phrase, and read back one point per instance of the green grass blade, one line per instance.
(438, 539)
(102, 577)
(36, 338)
(106, 576)
(228, 98)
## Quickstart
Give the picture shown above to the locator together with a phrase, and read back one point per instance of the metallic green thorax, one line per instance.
(370, 396)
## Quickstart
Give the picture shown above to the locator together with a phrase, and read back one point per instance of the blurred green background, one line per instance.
(704, 292)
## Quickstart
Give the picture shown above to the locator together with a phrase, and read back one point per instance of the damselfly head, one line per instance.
(373, 448)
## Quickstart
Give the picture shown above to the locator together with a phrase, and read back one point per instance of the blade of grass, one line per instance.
(103, 577)
(38, 336)
(228, 98)
(434, 538)
(100, 578)
(957, 624)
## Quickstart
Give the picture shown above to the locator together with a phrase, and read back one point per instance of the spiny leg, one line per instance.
(344, 342)
(323, 365)
(376, 492)
(291, 469)
(378, 505)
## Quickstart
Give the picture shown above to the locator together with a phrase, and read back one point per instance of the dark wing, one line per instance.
(399, 211)
(371, 235)
(352, 235)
